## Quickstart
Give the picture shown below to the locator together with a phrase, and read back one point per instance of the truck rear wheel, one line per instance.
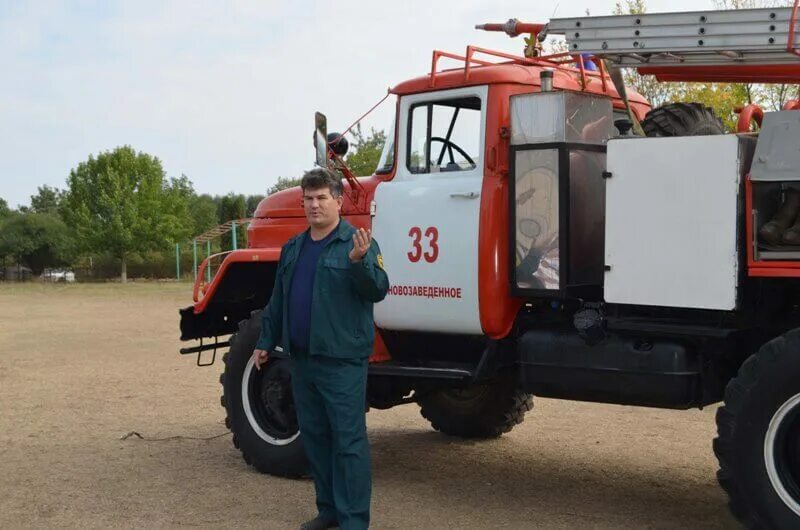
(682, 119)
(480, 410)
(259, 406)
(758, 442)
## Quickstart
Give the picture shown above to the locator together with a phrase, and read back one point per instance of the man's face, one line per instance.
(321, 208)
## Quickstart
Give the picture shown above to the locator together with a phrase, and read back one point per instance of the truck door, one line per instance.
(426, 217)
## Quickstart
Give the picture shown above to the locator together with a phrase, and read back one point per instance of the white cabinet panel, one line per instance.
(671, 221)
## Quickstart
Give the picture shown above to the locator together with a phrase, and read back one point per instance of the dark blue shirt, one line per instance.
(302, 288)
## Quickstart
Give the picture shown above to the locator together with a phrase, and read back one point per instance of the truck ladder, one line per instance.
(670, 42)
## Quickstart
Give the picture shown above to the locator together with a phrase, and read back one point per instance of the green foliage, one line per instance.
(252, 204)
(630, 7)
(36, 240)
(205, 213)
(232, 207)
(151, 264)
(283, 183)
(773, 97)
(119, 212)
(46, 200)
(5, 211)
(176, 214)
(724, 98)
(121, 202)
(366, 151)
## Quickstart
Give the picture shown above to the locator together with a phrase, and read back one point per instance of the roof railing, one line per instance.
(562, 60)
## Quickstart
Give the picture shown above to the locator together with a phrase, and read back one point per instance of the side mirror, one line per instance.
(321, 139)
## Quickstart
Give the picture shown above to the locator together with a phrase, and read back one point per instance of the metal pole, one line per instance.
(233, 227)
(208, 265)
(177, 261)
(195, 259)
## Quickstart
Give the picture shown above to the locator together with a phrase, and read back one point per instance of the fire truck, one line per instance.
(547, 233)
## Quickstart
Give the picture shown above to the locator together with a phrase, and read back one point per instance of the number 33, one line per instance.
(432, 234)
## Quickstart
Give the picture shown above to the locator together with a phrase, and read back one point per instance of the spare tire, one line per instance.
(682, 119)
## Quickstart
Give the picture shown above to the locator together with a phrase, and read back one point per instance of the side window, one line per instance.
(444, 136)
(386, 162)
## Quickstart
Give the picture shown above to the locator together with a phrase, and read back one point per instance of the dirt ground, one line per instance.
(85, 364)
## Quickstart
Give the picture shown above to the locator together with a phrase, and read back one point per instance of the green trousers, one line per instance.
(330, 397)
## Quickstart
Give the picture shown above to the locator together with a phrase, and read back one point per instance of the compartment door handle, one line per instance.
(465, 194)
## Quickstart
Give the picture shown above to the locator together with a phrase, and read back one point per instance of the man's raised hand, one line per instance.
(259, 358)
(361, 242)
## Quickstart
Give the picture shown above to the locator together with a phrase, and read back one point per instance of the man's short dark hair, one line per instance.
(321, 177)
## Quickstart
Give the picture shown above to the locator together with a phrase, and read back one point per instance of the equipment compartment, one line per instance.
(672, 211)
(773, 198)
(557, 199)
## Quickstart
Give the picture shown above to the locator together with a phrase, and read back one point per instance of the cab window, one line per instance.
(444, 136)
(386, 162)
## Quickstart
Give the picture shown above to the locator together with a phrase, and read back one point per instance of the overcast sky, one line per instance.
(223, 92)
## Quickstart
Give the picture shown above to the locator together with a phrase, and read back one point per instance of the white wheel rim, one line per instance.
(769, 453)
(248, 411)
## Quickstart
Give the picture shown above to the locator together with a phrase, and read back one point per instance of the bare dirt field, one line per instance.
(85, 364)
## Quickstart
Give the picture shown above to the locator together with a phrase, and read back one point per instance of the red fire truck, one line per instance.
(547, 233)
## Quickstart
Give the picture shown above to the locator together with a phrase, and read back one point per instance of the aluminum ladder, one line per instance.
(765, 36)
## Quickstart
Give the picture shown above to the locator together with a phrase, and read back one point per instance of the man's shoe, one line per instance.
(319, 523)
(792, 235)
(773, 231)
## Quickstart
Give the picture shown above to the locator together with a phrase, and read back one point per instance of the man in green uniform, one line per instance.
(320, 313)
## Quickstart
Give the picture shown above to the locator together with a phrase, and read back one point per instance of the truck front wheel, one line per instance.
(758, 443)
(479, 410)
(259, 406)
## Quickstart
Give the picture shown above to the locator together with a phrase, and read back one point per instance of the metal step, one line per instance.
(698, 38)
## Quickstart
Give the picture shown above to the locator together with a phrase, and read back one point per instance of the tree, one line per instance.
(46, 200)
(232, 207)
(36, 240)
(252, 204)
(366, 151)
(205, 213)
(122, 203)
(724, 98)
(176, 214)
(283, 183)
(5, 211)
(775, 96)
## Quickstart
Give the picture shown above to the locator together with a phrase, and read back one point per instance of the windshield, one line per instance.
(386, 163)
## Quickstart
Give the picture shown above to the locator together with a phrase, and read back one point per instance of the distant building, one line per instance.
(16, 273)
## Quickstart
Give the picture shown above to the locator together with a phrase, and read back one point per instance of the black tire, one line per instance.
(264, 426)
(758, 437)
(682, 119)
(480, 410)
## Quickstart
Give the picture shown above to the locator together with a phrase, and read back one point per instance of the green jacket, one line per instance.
(342, 325)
